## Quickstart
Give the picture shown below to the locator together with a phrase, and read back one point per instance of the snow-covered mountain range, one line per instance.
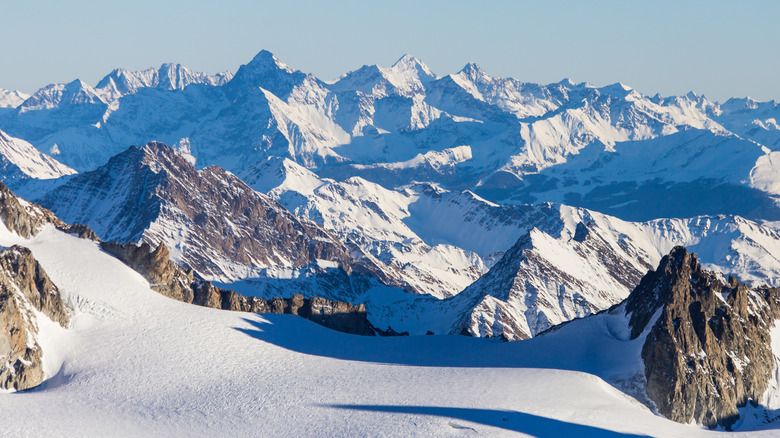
(459, 204)
(504, 139)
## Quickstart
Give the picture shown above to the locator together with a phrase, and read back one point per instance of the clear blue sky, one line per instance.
(717, 48)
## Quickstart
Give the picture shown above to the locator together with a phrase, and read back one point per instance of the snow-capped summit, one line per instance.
(375, 122)
(406, 77)
(57, 96)
(168, 77)
(268, 72)
(409, 75)
(473, 72)
(11, 98)
(212, 222)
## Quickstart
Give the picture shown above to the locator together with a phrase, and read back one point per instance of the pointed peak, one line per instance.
(410, 63)
(265, 59)
(76, 83)
(471, 68)
(617, 87)
(692, 95)
(407, 59)
(157, 147)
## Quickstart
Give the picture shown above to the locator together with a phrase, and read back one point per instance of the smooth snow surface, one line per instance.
(135, 363)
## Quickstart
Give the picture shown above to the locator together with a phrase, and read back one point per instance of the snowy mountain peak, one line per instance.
(11, 98)
(473, 72)
(268, 72)
(267, 60)
(617, 89)
(170, 76)
(57, 95)
(409, 63)
(408, 75)
(566, 82)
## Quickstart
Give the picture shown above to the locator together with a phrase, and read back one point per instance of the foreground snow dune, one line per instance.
(134, 363)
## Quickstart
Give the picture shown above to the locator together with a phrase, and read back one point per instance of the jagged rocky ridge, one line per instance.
(174, 282)
(707, 350)
(24, 290)
(211, 221)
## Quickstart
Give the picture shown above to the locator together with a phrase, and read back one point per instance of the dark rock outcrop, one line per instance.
(155, 265)
(81, 231)
(24, 286)
(174, 282)
(709, 350)
(21, 217)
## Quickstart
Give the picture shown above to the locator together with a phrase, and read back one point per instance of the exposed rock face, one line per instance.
(24, 286)
(80, 230)
(709, 351)
(174, 282)
(219, 226)
(161, 273)
(21, 217)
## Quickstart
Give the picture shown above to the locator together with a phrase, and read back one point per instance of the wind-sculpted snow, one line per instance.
(506, 140)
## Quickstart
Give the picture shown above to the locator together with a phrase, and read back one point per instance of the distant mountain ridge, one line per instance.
(506, 140)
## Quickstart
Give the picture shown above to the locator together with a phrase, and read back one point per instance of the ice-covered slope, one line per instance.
(678, 175)
(20, 160)
(136, 363)
(751, 119)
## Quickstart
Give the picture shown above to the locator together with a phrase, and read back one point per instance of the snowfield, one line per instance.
(135, 363)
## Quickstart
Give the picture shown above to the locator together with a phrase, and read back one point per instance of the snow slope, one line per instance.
(135, 363)
(20, 160)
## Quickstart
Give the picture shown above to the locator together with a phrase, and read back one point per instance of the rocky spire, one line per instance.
(708, 347)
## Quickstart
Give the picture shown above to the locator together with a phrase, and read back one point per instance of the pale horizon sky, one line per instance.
(717, 48)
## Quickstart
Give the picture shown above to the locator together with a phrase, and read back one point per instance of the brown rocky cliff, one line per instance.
(709, 352)
(172, 281)
(24, 286)
(21, 217)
